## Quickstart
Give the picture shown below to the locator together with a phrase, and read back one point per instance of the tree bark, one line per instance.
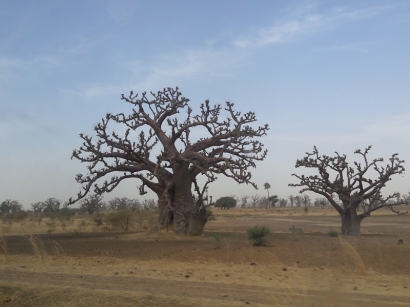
(184, 216)
(350, 222)
(165, 217)
(187, 218)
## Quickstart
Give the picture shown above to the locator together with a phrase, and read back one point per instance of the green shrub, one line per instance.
(225, 202)
(65, 214)
(209, 214)
(75, 234)
(296, 230)
(15, 216)
(217, 241)
(257, 235)
(81, 225)
(333, 233)
(119, 220)
(98, 219)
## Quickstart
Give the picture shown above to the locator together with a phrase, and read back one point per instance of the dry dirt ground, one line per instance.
(219, 269)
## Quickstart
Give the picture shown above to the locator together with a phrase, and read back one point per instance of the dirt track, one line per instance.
(199, 290)
(220, 269)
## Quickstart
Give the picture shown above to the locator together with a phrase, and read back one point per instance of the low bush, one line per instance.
(209, 214)
(15, 216)
(81, 225)
(257, 235)
(217, 241)
(119, 220)
(98, 219)
(296, 230)
(333, 233)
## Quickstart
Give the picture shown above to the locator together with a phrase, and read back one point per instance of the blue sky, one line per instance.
(335, 74)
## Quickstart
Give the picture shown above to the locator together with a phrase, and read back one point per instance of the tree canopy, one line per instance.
(10, 206)
(167, 151)
(225, 202)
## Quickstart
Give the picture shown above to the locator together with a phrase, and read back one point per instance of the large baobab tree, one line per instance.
(352, 185)
(168, 151)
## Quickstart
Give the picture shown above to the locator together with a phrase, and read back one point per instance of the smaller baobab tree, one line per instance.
(352, 185)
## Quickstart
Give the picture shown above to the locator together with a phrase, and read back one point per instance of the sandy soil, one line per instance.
(219, 269)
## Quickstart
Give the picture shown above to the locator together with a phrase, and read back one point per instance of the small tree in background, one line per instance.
(10, 206)
(283, 202)
(321, 202)
(51, 204)
(92, 203)
(255, 200)
(298, 201)
(352, 185)
(244, 200)
(267, 187)
(263, 202)
(123, 203)
(292, 200)
(225, 202)
(305, 199)
(37, 207)
(273, 200)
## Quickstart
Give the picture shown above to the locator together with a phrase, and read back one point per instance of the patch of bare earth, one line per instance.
(219, 269)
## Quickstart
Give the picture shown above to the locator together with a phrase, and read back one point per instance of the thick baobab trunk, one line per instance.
(165, 216)
(184, 217)
(350, 222)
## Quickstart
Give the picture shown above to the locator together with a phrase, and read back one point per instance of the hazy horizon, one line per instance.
(335, 74)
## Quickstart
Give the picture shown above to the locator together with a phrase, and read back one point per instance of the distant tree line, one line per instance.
(257, 201)
(90, 204)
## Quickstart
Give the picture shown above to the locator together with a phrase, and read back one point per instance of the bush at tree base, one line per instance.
(209, 214)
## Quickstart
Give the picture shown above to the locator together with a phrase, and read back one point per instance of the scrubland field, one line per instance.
(79, 262)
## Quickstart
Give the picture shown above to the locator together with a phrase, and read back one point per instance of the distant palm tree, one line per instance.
(267, 187)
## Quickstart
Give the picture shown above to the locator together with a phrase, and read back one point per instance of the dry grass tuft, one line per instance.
(38, 247)
(58, 250)
(3, 247)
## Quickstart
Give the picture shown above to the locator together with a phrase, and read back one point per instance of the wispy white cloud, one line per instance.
(91, 92)
(394, 128)
(171, 69)
(7, 65)
(307, 22)
(12, 125)
(96, 91)
(48, 59)
(7, 62)
(77, 45)
(397, 126)
(354, 47)
(121, 11)
(10, 66)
